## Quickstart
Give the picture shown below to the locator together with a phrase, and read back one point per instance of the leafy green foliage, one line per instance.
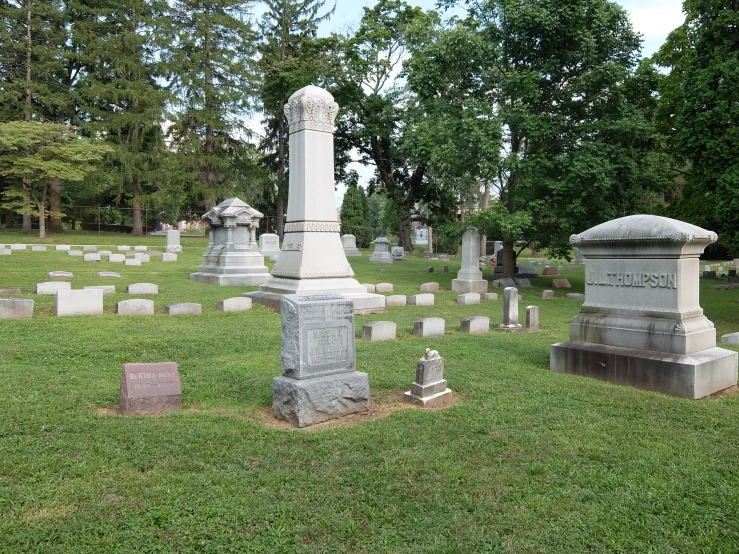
(355, 215)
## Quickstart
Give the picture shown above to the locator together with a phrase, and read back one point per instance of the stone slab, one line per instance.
(369, 287)
(576, 296)
(78, 302)
(547, 294)
(109, 275)
(379, 330)
(38, 248)
(731, 338)
(490, 297)
(468, 298)
(17, 246)
(561, 284)
(107, 289)
(142, 288)
(504, 283)
(523, 283)
(117, 258)
(236, 304)
(479, 286)
(550, 271)
(443, 398)
(429, 327)
(60, 275)
(78, 253)
(16, 308)
(183, 308)
(532, 318)
(384, 287)
(693, 376)
(63, 247)
(169, 257)
(123, 248)
(396, 300)
(89, 248)
(475, 325)
(150, 388)
(5, 251)
(139, 248)
(131, 262)
(305, 402)
(52, 287)
(421, 300)
(143, 258)
(91, 257)
(105, 253)
(135, 306)
(429, 287)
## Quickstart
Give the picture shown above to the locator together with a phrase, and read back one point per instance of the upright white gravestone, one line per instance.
(269, 245)
(230, 259)
(173, 242)
(469, 278)
(319, 378)
(641, 324)
(312, 260)
(349, 242)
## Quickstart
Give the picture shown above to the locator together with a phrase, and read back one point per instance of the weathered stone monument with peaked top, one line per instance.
(469, 278)
(232, 257)
(312, 260)
(641, 324)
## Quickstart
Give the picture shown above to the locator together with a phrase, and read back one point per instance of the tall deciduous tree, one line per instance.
(211, 69)
(378, 113)
(35, 153)
(285, 28)
(543, 100)
(355, 213)
(708, 124)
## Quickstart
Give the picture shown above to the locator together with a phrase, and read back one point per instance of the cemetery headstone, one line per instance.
(17, 246)
(369, 287)
(445, 269)
(5, 251)
(468, 298)
(38, 248)
(429, 287)
(63, 247)
(641, 323)
(107, 289)
(549, 270)
(522, 283)
(429, 389)
(76, 253)
(142, 288)
(91, 257)
(576, 296)
(150, 388)
(143, 258)
(397, 253)
(532, 318)
(379, 331)
(183, 308)
(561, 284)
(269, 245)
(52, 287)
(421, 300)
(475, 325)
(504, 283)
(547, 294)
(169, 257)
(132, 263)
(510, 310)
(381, 255)
(123, 248)
(78, 302)
(431, 269)
(172, 243)
(16, 308)
(396, 300)
(312, 260)
(490, 296)
(349, 244)
(60, 275)
(319, 379)
(109, 275)
(232, 257)
(89, 248)
(469, 277)
(5, 292)
(384, 287)
(117, 258)
(139, 248)
(731, 338)
(236, 304)
(429, 327)
(135, 306)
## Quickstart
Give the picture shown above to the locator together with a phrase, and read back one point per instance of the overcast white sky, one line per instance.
(654, 19)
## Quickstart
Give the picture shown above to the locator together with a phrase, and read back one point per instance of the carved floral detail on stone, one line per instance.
(309, 113)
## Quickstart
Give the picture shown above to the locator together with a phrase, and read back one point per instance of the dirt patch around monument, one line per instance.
(731, 391)
(381, 406)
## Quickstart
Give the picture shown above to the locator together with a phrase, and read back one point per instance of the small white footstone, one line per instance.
(236, 304)
(183, 308)
(429, 287)
(132, 262)
(731, 338)
(384, 287)
(60, 275)
(52, 287)
(78, 253)
(379, 330)
(92, 257)
(109, 275)
(475, 325)
(78, 302)
(16, 308)
(396, 300)
(169, 257)
(142, 288)
(135, 306)
(429, 327)
(89, 248)
(117, 258)
(421, 300)
(468, 298)
(107, 289)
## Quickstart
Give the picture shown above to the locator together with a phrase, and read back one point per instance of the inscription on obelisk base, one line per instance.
(319, 378)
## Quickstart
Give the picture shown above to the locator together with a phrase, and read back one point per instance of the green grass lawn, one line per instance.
(525, 461)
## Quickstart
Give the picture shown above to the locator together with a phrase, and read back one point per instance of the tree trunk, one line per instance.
(404, 229)
(27, 113)
(485, 206)
(55, 220)
(430, 240)
(138, 228)
(9, 220)
(508, 259)
(280, 218)
(26, 213)
(42, 214)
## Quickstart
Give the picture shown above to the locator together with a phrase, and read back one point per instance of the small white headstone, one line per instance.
(52, 287)
(142, 288)
(78, 302)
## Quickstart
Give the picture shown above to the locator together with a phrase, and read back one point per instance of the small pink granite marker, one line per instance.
(150, 388)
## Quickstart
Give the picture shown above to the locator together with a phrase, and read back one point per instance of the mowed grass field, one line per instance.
(525, 461)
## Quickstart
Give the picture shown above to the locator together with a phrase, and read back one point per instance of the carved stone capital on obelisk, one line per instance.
(311, 108)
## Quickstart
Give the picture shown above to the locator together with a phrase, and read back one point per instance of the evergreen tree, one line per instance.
(285, 28)
(122, 99)
(355, 214)
(211, 69)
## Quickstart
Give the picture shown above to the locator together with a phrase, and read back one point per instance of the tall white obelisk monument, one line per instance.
(312, 260)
